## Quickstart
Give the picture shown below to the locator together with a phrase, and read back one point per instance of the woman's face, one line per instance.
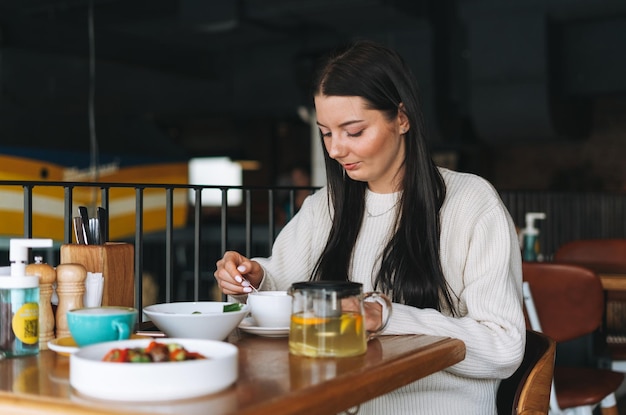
(368, 145)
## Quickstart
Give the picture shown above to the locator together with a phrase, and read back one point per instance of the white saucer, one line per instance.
(248, 325)
(65, 346)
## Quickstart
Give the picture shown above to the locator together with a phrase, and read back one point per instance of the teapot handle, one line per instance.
(385, 302)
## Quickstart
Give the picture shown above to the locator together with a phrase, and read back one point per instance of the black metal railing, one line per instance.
(185, 255)
(246, 228)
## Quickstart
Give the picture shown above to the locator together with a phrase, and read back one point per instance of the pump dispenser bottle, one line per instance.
(19, 302)
(530, 235)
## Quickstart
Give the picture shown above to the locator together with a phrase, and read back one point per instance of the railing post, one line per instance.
(28, 211)
(224, 225)
(248, 223)
(270, 221)
(138, 249)
(169, 237)
(104, 195)
(197, 239)
(67, 214)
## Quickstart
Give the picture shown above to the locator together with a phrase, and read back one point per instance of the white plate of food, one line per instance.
(214, 370)
(249, 326)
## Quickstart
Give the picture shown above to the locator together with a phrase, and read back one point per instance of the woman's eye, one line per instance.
(326, 134)
(357, 134)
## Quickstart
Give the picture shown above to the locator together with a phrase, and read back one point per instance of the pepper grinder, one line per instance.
(70, 290)
(47, 276)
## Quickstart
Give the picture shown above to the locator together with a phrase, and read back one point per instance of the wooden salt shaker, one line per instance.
(70, 290)
(47, 276)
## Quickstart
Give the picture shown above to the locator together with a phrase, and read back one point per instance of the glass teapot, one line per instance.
(327, 318)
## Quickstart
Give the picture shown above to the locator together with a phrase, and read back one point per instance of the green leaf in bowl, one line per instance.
(232, 307)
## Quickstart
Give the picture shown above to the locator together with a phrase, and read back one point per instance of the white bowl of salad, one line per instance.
(153, 369)
(211, 320)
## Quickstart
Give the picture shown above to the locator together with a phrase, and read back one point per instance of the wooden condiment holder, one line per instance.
(47, 276)
(115, 260)
(70, 290)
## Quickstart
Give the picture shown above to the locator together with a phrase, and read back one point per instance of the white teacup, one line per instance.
(270, 308)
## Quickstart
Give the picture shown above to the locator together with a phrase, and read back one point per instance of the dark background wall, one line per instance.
(530, 94)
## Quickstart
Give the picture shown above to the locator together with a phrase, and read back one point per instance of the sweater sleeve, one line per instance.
(481, 261)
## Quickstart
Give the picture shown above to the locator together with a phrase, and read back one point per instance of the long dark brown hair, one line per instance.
(410, 267)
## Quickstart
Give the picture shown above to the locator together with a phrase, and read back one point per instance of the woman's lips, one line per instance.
(350, 166)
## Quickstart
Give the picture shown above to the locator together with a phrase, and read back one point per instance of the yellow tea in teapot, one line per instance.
(340, 336)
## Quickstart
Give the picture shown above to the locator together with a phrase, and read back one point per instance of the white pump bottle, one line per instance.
(530, 234)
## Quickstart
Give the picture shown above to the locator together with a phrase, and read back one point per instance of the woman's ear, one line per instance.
(403, 120)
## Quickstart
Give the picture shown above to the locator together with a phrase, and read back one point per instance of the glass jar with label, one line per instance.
(19, 316)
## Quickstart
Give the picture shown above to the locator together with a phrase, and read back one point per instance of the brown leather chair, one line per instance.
(569, 304)
(604, 256)
(527, 391)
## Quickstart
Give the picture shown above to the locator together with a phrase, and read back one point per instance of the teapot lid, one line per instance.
(342, 288)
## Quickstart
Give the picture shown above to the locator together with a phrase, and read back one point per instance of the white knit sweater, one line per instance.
(481, 261)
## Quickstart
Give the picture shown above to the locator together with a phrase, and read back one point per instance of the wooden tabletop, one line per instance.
(271, 381)
(613, 282)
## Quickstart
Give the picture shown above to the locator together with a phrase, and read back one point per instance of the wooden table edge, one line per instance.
(337, 395)
(27, 404)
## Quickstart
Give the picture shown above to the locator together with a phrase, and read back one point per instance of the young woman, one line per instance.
(440, 243)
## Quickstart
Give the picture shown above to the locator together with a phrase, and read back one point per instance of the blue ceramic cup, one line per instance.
(101, 324)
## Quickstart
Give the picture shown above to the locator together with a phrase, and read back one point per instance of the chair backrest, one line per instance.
(527, 391)
(601, 255)
(604, 256)
(569, 299)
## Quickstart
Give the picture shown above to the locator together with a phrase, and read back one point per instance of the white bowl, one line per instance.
(90, 376)
(209, 321)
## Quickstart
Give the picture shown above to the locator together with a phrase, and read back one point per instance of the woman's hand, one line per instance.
(373, 312)
(373, 316)
(235, 274)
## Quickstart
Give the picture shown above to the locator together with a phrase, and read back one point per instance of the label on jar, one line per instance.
(26, 323)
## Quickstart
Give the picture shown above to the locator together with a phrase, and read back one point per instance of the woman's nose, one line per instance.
(335, 147)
